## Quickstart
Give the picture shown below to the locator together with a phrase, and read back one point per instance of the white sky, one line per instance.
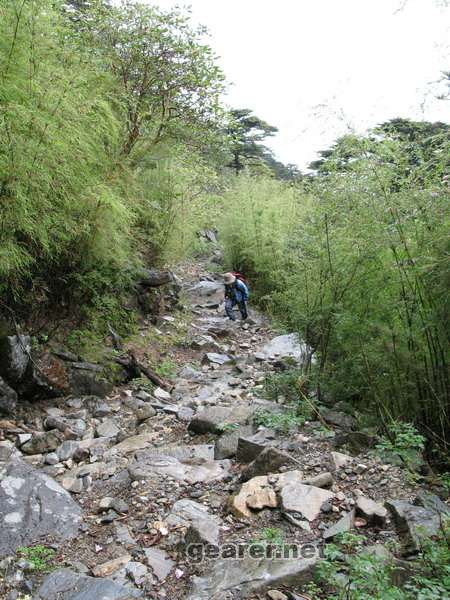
(315, 68)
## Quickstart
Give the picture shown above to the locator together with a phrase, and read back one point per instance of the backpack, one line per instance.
(240, 277)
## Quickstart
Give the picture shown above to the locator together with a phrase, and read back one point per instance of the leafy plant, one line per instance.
(348, 572)
(404, 441)
(283, 420)
(228, 427)
(39, 556)
(166, 368)
(270, 536)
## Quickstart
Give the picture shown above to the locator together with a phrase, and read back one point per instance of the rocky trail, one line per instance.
(150, 493)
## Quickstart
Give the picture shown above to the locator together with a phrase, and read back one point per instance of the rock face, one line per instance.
(66, 585)
(14, 357)
(85, 380)
(239, 578)
(414, 523)
(33, 506)
(8, 399)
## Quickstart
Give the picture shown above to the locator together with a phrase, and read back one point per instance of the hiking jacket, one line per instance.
(237, 291)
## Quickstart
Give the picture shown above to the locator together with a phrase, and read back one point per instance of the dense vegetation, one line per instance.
(115, 149)
(105, 114)
(355, 258)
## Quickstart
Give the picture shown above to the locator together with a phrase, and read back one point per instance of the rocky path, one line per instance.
(150, 494)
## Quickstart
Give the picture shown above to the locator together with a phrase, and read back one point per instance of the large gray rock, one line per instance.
(159, 562)
(355, 441)
(8, 399)
(432, 502)
(203, 527)
(14, 357)
(374, 513)
(414, 523)
(250, 446)
(270, 460)
(338, 419)
(227, 445)
(213, 419)
(147, 465)
(33, 507)
(284, 346)
(239, 578)
(67, 585)
(87, 381)
(75, 428)
(212, 291)
(218, 359)
(305, 500)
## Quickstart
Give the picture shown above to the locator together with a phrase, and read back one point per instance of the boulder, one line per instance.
(414, 523)
(355, 441)
(84, 380)
(8, 399)
(154, 278)
(64, 584)
(74, 428)
(33, 507)
(218, 359)
(372, 512)
(149, 464)
(134, 443)
(270, 460)
(338, 419)
(254, 494)
(339, 460)
(305, 500)
(284, 346)
(14, 357)
(240, 578)
(431, 502)
(250, 446)
(323, 480)
(213, 419)
(45, 377)
(227, 445)
(107, 429)
(203, 527)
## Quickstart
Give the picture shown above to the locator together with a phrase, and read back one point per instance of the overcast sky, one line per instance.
(315, 68)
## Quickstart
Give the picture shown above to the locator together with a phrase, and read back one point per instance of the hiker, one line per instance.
(236, 292)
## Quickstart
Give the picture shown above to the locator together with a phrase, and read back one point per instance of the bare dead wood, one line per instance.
(135, 368)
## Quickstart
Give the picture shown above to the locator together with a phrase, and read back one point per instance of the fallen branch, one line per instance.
(135, 368)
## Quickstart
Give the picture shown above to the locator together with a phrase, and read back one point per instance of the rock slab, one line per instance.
(33, 507)
(67, 585)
